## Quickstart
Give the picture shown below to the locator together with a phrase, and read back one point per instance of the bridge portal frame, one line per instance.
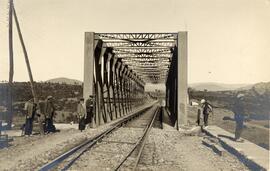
(124, 87)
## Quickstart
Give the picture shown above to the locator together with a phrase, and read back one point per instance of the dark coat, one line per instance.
(238, 110)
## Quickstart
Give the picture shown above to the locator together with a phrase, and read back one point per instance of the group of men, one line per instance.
(237, 108)
(44, 111)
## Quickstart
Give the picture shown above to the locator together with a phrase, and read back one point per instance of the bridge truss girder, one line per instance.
(121, 64)
(142, 50)
(117, 89)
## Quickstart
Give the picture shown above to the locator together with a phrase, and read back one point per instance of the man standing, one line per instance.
(238, 110)
(198, 117)
(41, 117)
(163, 105)
(49, 112)
(30, 111)
(206, 108)
(90, 110)
(81, 114)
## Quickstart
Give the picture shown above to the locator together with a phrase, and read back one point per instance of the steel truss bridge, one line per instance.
(117, 67)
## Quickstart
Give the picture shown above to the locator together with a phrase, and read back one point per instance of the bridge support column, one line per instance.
(88, 82)
(182, 79)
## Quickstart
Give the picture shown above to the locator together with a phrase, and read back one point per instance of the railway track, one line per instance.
(117, 148)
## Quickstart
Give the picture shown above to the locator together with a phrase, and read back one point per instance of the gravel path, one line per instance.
(172, 150)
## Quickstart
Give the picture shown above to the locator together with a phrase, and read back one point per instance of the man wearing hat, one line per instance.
(90, 109)
(30, 111)
(81, 114)
(207, 109)
(49, 112)
(238, 109)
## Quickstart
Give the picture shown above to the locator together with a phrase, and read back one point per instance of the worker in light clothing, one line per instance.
(30, 111)
(81, 112)
(206, 109)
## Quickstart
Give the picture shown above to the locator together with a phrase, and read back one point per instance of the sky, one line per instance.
(228, 40)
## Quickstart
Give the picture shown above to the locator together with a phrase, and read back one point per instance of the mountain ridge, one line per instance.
(213, 86)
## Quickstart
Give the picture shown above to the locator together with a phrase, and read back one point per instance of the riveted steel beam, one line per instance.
(141, 50)
(136, 36)
(143, 55)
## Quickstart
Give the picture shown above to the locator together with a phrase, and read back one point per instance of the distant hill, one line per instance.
(262, 88)
(64, 80)
(219, 86)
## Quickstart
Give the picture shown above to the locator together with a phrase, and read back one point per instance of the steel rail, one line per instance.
(140, 143)
(83, 147)
(144, 140)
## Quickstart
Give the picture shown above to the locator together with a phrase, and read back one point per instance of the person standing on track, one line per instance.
(81, 111)
(207, 109)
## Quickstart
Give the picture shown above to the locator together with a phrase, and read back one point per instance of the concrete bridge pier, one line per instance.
(89, 48)
(182, 78)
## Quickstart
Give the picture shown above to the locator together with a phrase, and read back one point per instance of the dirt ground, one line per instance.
(29, 153)
(254, 131)
(166, 149)
(170, 150)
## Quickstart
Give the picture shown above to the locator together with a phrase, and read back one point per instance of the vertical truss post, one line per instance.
(117, 82)
(107, 93)
(182, 78)
(121, 69)
(136, 93)
(172, 91)
(109, 85)
(100, 75)
(113, 81)
(98, 111)
(125, 88)
(129, 90)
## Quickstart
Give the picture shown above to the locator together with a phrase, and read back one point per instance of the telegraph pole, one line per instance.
(25, 56)
(11, 64)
